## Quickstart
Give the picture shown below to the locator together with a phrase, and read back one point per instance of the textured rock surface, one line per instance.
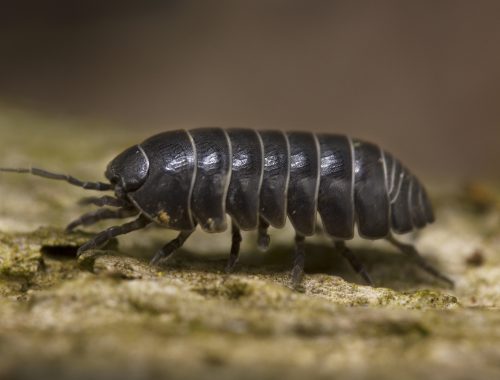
(109, 314)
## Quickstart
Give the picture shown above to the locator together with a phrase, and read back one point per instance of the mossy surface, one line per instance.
(110, 314)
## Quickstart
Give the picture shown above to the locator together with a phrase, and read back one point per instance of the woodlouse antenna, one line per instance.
(99, 186)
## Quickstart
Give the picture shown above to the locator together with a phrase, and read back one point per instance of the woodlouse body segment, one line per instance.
(184, 178)
(274, 190)
(214, 160)
(336, 190)
(243, 196)
(166, 194)
(304, 182)
(370, 193)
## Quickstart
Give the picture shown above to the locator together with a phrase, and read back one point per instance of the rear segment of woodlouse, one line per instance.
(180, 179)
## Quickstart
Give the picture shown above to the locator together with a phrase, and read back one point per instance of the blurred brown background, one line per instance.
(420, 77)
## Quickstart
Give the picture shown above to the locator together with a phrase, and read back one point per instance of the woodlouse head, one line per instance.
(128, 171)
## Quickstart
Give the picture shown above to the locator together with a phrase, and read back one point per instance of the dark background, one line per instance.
(420, 77)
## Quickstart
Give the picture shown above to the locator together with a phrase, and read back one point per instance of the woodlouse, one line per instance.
(179, 179)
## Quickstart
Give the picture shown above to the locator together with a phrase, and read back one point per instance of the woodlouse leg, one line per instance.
(357, 265)
(411, 251)
(103, 237)
(299, 260)
(102, 214)
(235, 248)
(263, 238)
(166, 251)
(319, 230)
(102, 201)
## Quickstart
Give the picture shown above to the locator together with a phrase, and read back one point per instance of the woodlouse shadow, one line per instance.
(387, 268)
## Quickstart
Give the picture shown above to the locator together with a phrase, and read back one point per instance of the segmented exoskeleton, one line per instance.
(184, 178)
